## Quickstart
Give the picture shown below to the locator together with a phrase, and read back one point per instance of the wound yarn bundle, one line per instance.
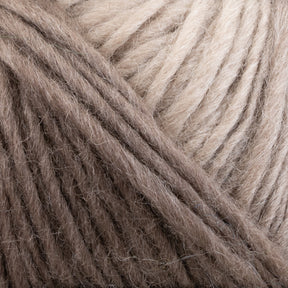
(143, 143)
(214, 76)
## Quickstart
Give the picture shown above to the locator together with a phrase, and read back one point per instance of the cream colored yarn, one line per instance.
(215, 77)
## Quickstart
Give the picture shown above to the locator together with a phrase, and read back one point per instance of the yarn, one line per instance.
(209, 73)
(103, 180)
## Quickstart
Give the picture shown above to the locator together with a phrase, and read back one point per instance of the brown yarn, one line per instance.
(207, 71)
(92, 192)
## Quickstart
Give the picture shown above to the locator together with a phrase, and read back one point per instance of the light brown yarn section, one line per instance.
(93, 193)
(213, 74)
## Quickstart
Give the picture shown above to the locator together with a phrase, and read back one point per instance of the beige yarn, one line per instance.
(93, 193)
(214, 75)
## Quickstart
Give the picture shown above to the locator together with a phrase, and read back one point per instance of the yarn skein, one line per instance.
(100, 185)
(209, 74)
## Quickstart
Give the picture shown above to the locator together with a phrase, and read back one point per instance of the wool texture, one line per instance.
(143, 143)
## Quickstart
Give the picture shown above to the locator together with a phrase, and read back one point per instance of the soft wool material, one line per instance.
(214, 76)
(143, 143)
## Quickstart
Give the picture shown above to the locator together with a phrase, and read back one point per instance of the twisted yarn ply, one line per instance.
(143, 143)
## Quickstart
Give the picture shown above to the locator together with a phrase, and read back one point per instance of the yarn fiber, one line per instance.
(143, 143)
(213, 74)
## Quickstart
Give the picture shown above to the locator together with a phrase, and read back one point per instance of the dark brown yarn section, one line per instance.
(92, 193)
